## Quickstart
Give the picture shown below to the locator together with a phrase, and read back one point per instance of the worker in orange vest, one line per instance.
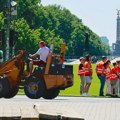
(88, 74)
(101, 75)
(108, 75)
(81, 73)
(118, 66)
(114, 80)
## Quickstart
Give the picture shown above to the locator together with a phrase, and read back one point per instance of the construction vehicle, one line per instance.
(46, 80)
(11, 73)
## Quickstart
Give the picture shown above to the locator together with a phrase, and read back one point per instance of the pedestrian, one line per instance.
(88, 74)
(81, 73)
(108, 75)
(101, 75)
(114, 80)
(118, 66)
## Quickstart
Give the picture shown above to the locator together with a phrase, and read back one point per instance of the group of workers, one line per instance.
(105, 73)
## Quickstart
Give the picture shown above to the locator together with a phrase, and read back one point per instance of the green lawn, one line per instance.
(75, 89)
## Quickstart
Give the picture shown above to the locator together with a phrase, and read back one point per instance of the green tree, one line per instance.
(2, 5)
(52, 24)
(26, 36)
(1, 20)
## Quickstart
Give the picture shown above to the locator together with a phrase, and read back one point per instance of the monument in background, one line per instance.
(116, 46)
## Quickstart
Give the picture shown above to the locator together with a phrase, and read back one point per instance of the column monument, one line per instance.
(116, 46)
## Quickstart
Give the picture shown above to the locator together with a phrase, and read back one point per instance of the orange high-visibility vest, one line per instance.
(87, 72)
(99, 67)
(107, 73)
(113, 74)
(81, 71)
(118, 70)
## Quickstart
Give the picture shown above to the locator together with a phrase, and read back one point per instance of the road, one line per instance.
(88, 108)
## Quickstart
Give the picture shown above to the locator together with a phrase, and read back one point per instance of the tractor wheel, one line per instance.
(12, 92)
(6, 86)
(50, 94)
(33, 87)
(1, 88)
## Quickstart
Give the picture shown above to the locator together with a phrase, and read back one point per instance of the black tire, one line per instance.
(51, 94)
(6, 86)
(1, 88)
(33, 87)
(12, 92)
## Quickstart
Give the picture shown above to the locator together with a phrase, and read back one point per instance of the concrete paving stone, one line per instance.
(10, 111)
(118, 111)
(27, 111)
(54, 112)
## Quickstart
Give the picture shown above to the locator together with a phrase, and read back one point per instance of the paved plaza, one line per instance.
(87, 108)
(82, 108)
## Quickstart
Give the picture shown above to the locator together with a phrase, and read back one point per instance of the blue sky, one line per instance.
(99, 15)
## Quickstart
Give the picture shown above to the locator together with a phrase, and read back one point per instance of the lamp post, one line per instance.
(11, 11)
(7, 29)
(86, 44)
(13, 17)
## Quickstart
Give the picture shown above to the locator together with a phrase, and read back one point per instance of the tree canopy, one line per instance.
(52, 23)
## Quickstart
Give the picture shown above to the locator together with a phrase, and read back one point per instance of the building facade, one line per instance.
(105, 40)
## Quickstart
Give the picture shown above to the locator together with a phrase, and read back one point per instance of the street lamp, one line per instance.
(86, 42)
(7, 22)
(13, 9)
(13, 3)
(11, 12)
(13, 16)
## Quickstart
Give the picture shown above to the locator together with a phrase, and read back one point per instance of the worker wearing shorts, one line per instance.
(88, 74)
(43, 52)
(88, 79)
(81, 73)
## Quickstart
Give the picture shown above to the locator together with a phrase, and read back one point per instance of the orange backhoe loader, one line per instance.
(11, 73)
(46, 80)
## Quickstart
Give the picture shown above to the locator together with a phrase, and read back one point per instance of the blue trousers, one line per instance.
(102, 84)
